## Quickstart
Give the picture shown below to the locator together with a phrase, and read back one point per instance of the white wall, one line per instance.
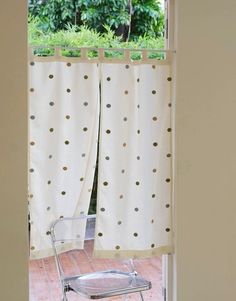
(13, 152)
(206, 150)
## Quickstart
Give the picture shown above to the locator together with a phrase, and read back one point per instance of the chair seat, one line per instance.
(106, 284)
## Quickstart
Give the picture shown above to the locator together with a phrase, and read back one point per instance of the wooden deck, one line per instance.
(45, 286)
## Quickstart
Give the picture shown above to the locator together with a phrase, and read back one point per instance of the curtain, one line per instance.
(134, 182)
(63, 114)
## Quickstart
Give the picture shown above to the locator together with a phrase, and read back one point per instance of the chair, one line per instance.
(93, 285)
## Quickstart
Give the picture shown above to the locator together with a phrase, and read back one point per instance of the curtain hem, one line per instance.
(133, 253)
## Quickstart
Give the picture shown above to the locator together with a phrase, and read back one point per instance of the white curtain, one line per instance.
(63, 114)
(134, 187)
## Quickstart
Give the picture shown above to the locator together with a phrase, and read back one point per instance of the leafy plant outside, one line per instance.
(82, 36)
(144, 17)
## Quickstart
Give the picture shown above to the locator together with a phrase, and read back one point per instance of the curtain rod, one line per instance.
(101, 48)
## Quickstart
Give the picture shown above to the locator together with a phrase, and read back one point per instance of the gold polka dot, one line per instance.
(51, 129)
(32, 248)
(167, 229)
(169, 104)
(153, 67)
(81, 179)
(85, 129)
(64, 168)
(169, 130)
(100, 234)
(108, 131)
(31, 196)
(137, 183)
(50, 76)
(154, 118)
(105, 183)
(153, 196)
(32, 143)
(169, 79)
(49, 182)
(67, 116)
(168, 180)
(86, 77)
(117, 247)
(68, 64)
(154, 91)
(126, 92)
(152, 245)
(67, 142)
(168, 155)
(108, 79)
(138, 131)
(167, 205)
(155, 144)
(63, 192)
(154, 170)
(124, 144)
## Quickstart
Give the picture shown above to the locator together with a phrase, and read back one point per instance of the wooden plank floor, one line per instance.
(45, 286)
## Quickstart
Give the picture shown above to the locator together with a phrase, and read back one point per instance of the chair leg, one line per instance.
(64, 298)
(141, 296)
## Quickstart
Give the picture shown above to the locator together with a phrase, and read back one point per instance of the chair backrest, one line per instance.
(70, 233)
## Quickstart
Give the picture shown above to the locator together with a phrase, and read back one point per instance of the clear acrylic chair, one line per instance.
(94, 285)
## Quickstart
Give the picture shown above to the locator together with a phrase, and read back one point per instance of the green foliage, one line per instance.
(96, 14)
(75, 36)
(55, 14)
(146, 16)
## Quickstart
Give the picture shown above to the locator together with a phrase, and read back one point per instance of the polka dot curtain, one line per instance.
(134, 185)
(63, 116)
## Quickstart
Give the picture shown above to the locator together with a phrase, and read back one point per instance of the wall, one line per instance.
(206, 150)
(13, 151)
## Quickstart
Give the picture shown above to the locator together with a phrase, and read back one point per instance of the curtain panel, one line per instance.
(63, 131)
(134, 186)
(133, 100)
